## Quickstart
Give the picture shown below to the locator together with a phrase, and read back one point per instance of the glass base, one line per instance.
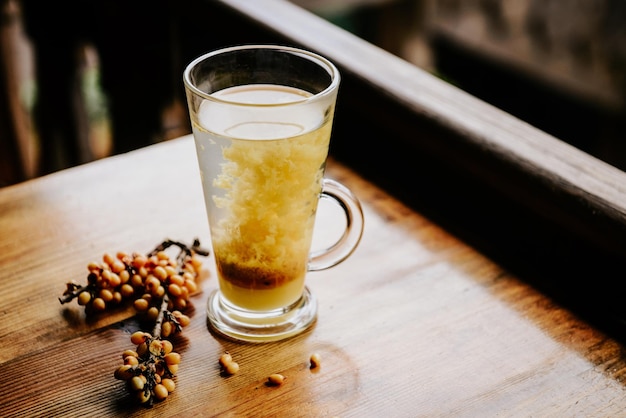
(254, 326)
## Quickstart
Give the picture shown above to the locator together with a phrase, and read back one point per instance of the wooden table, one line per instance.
(415, 323)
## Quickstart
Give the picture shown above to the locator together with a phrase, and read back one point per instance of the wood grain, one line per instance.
(415, 323)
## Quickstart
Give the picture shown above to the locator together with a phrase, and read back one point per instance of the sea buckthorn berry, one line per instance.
(143, 271)
(160, 273)
(118, 266)
(166, 329)
(106, 295)
(136, 281)
(172, 358)
(225, 358)
(129, 353)
(231, 368)
(115, 280)
(184, 320)
(276, 379)
(156, 348)
(153, 313)
(159, 292)
(139, 261)
(124, 372)
(151, 283)
(169, 384)
(160, 392)
(106, 276)
(173, 368)
(131, 361)
(127, 290)
(315, 360)
(84, 298)
(117, 297)
(180, 303)
(139, 337)
(196, 262)
(143, 396)
(121, 255)
(108, 259)
(176, 279)
(167, 346)
(137, 383)
(142, 349)
(98, 305)
(191, 286)
(141, 304)
(93, 266)
(124, 276)
(174, 290)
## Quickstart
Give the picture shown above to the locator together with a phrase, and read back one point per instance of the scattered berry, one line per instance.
(315, 360)
(229, 366)
(275, 379)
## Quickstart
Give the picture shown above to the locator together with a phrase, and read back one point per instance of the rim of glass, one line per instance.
(320, 60)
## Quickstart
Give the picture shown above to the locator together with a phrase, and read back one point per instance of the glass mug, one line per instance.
(261, 118)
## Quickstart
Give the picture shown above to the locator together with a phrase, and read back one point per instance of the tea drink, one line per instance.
(263, 174)
(262, 116)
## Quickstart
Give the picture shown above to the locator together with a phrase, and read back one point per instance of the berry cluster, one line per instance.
(148, 370)
(147, 279)
(160, 287)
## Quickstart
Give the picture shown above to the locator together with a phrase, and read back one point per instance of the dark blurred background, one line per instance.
(82, 80)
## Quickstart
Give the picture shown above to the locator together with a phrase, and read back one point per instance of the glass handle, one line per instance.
(340, 250)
